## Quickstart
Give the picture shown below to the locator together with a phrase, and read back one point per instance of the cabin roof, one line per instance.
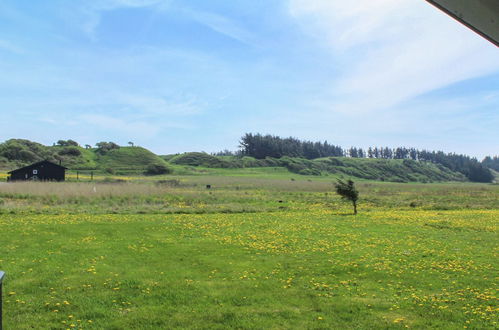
(35, 165)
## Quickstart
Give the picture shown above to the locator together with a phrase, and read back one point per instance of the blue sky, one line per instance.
(177, 76)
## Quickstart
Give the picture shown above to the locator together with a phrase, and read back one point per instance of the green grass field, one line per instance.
(256, 251)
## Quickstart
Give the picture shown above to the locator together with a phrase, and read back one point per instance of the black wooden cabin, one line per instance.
(41, 171)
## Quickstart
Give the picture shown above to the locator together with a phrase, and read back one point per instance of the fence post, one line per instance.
(2, 274)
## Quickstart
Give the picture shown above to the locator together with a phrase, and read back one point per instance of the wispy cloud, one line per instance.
(158, 105)
(392, 50)
(222, 25)
(93, 10)
(354, 22)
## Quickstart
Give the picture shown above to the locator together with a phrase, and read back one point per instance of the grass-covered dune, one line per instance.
(18, 152)
(109, 158)
(128, 158)
(394, 170)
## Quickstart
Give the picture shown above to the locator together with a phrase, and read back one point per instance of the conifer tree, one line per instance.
(348, 191)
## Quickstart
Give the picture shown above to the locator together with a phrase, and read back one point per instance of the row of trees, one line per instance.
(99, 145)
(260, 146)
(102, 147)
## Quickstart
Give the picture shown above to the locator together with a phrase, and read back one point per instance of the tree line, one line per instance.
(491, 162)
(261, 146)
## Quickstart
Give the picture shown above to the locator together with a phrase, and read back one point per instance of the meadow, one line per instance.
(256, 251)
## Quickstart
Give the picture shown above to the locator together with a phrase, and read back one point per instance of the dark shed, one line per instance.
(41, 171)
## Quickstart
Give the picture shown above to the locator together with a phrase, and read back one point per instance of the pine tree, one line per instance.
(348, 191)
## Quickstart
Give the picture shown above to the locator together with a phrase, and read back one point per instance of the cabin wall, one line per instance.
(43, 172)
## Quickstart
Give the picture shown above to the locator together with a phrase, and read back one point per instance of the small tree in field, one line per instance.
(348, 191)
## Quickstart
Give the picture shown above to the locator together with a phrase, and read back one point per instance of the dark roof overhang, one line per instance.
(481, 16)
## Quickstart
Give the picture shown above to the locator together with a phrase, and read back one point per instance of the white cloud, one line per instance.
(156, 105)
(93, 12)
(392, 50)
(352, 22)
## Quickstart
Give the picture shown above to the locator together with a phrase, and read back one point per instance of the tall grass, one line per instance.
(80, 189)
(234, 195)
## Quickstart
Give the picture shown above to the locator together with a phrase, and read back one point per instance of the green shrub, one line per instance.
(203, 159)
(249, 162)
(28, 156)
(157, 169)
(70, 151)
(309, 171)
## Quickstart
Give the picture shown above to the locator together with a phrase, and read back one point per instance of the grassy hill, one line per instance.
(136, 160)
(86, 160)
(394, 170)
(127, 158)
(15, 153)
(18, 152)
(204, 160)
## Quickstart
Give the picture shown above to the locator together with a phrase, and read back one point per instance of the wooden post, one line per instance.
(91, 179)
(77, 176)
(2, 274)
